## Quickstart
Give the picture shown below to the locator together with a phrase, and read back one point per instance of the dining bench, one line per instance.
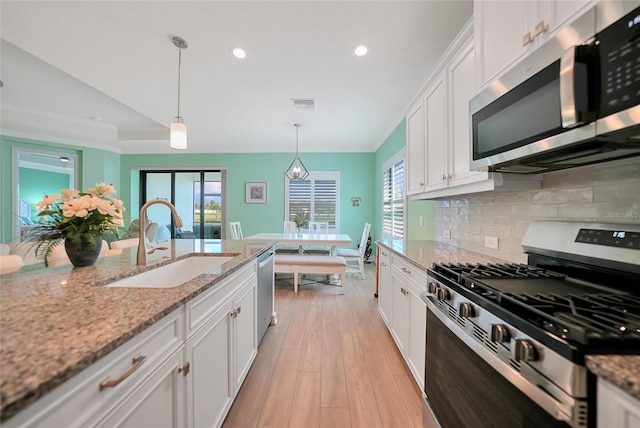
(298, 264)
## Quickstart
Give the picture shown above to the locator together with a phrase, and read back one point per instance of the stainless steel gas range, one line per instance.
(506, 343)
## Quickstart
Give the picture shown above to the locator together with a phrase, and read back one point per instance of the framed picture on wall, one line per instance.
(256, 193)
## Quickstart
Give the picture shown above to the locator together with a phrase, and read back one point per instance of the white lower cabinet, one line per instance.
(221, 353)
(616, 408)
(402, 309)
(385, 297)
(183, 371)
(209, 390)
(156, 403)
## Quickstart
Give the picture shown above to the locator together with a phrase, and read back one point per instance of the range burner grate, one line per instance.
(491, 270)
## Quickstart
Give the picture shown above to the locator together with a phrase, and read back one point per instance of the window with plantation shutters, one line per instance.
(393, 201)
(317, 196)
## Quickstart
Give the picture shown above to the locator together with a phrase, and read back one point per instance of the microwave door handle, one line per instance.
(567, 88)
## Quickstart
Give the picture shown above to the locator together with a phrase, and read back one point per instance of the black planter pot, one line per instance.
(85, 255)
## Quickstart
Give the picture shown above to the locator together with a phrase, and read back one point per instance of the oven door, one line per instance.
(465, 391)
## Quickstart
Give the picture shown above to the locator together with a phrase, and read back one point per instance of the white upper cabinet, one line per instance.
(439, 133)
(462, 88)
(436, 135)
(506, 31)
(415, 148)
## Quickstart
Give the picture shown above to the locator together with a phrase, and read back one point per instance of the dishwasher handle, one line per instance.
(265, 259)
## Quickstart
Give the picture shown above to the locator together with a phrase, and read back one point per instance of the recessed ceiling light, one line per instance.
(361, 50)
(238, 53)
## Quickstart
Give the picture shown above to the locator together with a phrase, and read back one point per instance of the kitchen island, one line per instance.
(56, 322)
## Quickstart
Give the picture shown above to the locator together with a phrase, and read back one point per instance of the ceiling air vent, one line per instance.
(304, 104)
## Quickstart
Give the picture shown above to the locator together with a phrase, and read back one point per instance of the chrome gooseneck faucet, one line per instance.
(142, 249)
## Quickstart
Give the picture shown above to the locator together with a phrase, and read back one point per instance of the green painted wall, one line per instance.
(356, 179)
(34, 183)
(395, 142)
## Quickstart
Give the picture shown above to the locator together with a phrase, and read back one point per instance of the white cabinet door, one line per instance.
(417, 337)
(415, 149)
(436, 136)
(400, 313)
(462, 89)
(209, 386)
(506, 31)
(245, 337)
(157, 402)
(616, 408)
(385, 294)
(500, 27)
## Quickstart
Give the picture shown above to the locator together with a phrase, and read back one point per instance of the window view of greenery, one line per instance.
(211, 211)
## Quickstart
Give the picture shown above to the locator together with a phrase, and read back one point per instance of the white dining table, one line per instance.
(306, 239)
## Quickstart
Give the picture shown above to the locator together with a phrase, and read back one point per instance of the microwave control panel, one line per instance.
(619, 47)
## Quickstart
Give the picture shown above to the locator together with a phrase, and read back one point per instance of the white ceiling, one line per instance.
(104, 73)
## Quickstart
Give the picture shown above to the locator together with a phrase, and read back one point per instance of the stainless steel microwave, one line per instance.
(580, 104)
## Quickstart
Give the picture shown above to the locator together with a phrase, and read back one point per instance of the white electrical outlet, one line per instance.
(446, 233)
(491, 242)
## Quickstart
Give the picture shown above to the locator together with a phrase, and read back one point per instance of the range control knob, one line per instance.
(465, 310)
(442, 293)
(433, 287)
(499, 333)
(523, 350)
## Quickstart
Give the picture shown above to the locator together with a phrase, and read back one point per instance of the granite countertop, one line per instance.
(423, 254)
(622, 371)
(56, 321)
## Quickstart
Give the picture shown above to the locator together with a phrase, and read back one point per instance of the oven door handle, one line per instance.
(560, 410)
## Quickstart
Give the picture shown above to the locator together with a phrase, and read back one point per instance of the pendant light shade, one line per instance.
(178, 135)
(297, 171)
(178, 130)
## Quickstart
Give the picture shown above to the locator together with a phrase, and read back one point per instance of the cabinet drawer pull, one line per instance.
(238, 310)
(405, 270)
(234, 313)
(184, 369)
(137, 362)
(526, 39)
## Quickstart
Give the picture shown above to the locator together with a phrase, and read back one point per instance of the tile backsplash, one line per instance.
(604, 193)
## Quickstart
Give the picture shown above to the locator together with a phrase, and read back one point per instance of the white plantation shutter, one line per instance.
(393, 200)
(318, 195)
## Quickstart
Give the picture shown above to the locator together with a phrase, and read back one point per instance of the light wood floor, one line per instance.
(329, 362)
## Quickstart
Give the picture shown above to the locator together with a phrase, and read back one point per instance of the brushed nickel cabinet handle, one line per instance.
(405, 270)
(542, 27)
(238, 310)
(526, 39)
(137, 362)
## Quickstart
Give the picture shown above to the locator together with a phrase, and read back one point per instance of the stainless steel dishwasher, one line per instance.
(265, 291)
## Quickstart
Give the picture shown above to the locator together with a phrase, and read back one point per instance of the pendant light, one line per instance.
(178, 135)
(297, 171)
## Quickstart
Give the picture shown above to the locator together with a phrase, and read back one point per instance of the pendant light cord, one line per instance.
(179, 79)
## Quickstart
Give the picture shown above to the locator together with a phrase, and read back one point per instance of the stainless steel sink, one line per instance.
(173, 274)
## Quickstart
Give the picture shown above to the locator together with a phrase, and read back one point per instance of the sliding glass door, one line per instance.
(198, 197)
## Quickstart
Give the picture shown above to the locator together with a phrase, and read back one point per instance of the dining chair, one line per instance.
(236, 230)
(10, 263)
(355, 257)
(318, 228)
(290, 228)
